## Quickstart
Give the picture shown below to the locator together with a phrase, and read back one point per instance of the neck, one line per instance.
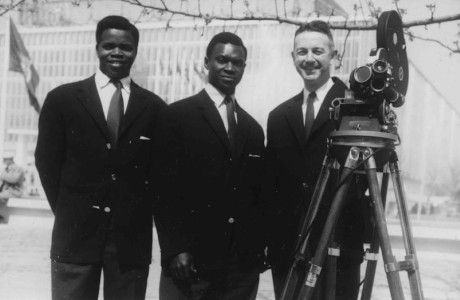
(313, 86)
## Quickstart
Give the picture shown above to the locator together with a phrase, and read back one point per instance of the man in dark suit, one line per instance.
(94, 155)
(297, 133)
(209, 211)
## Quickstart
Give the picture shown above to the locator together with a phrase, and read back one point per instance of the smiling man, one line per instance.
(297, 133)
(94, 155)
(209, 211)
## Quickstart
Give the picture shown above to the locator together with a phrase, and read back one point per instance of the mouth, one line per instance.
(227, 78)
(310, 70)
(116, 63)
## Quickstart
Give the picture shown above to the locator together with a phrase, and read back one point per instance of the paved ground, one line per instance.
(25, 242)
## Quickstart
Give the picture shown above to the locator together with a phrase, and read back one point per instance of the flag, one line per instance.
(20, 62)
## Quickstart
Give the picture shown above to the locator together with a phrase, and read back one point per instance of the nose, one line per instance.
(310, 57)
(116, 51)
(229, 67)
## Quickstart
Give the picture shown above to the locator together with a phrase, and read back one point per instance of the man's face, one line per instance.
(226, 67)
(116, 52)
(7, 161)
(312, 55)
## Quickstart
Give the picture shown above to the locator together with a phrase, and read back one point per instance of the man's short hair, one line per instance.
(317, 26)
(116, 22)
(225, 38)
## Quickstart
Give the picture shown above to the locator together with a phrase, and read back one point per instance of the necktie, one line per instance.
(230, 104)
(310, 114)
(115, 113)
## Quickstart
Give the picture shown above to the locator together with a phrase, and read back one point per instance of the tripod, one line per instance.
(353, 149)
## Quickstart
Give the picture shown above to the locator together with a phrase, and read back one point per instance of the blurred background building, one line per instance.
(59, 36)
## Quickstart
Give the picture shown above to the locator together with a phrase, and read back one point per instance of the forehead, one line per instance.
(228, 50)
(117, 34)
(312, 39)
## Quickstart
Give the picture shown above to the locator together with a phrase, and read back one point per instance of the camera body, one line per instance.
(378, 86)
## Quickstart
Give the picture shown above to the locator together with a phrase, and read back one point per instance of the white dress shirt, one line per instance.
(320, 95)
(218, 98)
(106, 89)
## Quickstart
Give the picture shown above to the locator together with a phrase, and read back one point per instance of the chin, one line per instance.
(311, 78)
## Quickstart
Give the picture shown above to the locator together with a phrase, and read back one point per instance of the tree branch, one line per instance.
(4, 8)
(346, 25)
(453, 50)
(349, 25)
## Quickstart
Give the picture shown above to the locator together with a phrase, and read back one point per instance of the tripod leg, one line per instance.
(297, 270)
(336, 207)
(411, 257)
(394, 281)
(331, 271)
(371, 255)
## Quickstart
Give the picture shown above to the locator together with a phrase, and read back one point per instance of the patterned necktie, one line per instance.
(230, 104)
(310, 114)
(115, 114)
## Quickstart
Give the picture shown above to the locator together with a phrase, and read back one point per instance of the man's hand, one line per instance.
(182, 267)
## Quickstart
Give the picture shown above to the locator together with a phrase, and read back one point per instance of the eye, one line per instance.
(221, 60)
(318, 51)
(301, 52)
(107, 46)
(127, 47)
(238, 63)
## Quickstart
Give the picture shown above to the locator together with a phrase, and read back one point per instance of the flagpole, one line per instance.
(6, 64)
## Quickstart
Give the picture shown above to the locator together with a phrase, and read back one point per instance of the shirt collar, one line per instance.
(320, 93)
(216, 96)
(103, 80)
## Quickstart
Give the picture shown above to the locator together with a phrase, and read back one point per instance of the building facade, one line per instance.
(170, 63)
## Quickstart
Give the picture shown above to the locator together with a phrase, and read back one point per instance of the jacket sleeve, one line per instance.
(170, 209)
(50, 151)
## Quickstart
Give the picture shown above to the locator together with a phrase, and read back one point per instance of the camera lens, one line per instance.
(380, 66)
(378, 84)
(362, 74)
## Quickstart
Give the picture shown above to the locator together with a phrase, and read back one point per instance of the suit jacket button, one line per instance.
(231, 220)
(304, 184)
(109, 146)
(114, 177)
(107, 209)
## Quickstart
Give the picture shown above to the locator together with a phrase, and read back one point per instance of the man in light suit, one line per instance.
(297, 133)
(211, 163)
(94, 155)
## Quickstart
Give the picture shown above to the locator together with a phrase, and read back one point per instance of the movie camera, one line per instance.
(362, 145)
(377, 86)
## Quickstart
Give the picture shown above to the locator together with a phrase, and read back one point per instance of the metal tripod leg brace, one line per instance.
(296, 288)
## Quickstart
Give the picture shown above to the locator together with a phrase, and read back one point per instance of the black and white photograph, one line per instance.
(229, 149)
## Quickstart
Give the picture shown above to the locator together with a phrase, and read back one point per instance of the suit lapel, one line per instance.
(336, 91)
(89, 97)
(243, 129)
(212, 117)
(294, 117)
(136, 105)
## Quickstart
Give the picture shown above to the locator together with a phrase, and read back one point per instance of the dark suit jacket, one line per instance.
(210, 204)
(295, 164)
(83, 177)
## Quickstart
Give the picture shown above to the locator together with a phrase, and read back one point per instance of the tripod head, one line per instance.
(364, 117)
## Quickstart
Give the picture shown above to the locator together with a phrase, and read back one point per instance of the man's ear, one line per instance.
(206, 63)
(334, 53)
(292, 55)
